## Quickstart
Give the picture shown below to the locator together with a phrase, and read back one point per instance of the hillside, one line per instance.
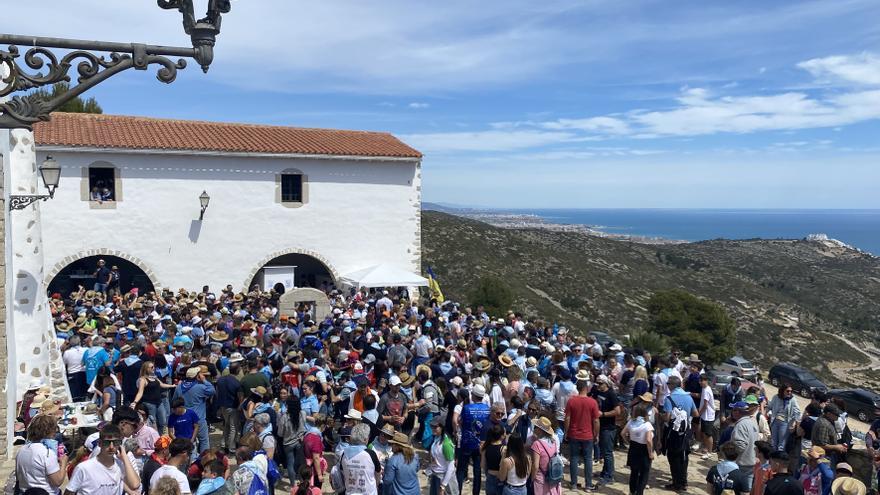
(813, 303)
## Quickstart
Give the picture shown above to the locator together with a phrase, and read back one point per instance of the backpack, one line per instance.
(555, 468)
(723, 485)
(448, 448)
(257, 486)
(678, 429)
(337, 480)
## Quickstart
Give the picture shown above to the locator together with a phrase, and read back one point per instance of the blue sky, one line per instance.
(543, 104)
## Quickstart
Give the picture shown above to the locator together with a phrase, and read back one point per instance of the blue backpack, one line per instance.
(257, 487)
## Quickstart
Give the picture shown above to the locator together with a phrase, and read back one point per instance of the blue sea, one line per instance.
(859, 228)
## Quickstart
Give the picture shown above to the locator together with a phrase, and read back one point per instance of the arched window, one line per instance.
(101, 185)
(291, 188)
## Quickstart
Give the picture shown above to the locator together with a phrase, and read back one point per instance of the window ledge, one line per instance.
(102, 205)
(292, 204)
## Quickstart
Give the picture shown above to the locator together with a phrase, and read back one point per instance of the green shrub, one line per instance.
(493, 294)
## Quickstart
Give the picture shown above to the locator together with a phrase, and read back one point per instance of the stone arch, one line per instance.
(288, 301)
(144, 266)
(245, 285)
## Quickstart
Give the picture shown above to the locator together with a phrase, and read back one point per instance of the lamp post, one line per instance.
(50, 172)
(204, 199)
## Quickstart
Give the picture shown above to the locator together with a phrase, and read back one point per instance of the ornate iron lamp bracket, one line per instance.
(20, 202)
(27, 73)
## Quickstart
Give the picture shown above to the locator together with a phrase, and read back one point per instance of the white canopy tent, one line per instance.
(383, 276)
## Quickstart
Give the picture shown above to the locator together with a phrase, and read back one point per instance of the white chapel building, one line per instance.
(315, 204)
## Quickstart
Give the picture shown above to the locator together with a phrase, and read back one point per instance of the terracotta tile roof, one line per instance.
(117, 131)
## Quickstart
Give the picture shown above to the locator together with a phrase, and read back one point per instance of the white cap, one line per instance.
(354, 414)
(479, 391)
(395, 380)
(371, 358)
(515, 344)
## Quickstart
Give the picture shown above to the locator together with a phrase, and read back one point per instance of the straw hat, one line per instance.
(505, 361)
(848, 485)
(219, 336)
(49, 407)
(248, 342)
(236, 357)
(544, 425)
(582, 376)
(815, 452)
(401, 439)
(482, 365)
(388, 430)
(647, 397)
(406, 379)
(425, 368)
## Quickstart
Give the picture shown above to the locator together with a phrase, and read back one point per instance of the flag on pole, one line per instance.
(434, 286)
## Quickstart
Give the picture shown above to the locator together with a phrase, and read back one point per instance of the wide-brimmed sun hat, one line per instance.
(544, 425)
(847, 485)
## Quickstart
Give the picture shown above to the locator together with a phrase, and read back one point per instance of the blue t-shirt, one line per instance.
(93, 361)
(474, 425)
(185, 424)
(681, 399)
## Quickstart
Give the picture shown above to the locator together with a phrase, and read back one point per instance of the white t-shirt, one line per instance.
(33, 465)
(171, 472)
(93, 478)
(422, 345)
(497, 396)
(707, 397)
(73, 358)
(638, 432)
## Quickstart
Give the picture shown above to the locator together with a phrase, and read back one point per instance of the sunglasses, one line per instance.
(106, 442)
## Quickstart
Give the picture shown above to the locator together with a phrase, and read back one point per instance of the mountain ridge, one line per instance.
(810, 301)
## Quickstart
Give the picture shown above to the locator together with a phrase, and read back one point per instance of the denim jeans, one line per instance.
(155, 412)
(466, 457)
(514, 490)
(100, 287)
(295, 458)
(580, 450)
(778, 435)
(493, 486)
(606, 447)
(202, 438)
(232, 428)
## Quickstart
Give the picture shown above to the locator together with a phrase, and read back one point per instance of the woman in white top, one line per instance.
(37, 464)
(442, 470)
(640, 434)
(516, 467)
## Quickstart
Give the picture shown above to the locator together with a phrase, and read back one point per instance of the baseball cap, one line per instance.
(395, 380)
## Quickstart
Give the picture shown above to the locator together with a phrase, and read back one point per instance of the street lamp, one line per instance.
(204, 199)
(50, 171)
(44, 67)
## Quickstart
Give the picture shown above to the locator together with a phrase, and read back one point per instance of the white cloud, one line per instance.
(863, 68)
(494, 140)
(418, 105)
(604, 125)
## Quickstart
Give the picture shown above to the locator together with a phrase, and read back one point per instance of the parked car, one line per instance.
(738, 366)
(800, 380)
(602, 338)
(860, 403)
(719, 379)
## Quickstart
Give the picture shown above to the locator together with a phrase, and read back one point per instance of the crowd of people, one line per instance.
(386, 389)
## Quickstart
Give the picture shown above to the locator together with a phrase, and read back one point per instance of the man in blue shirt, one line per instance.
(196, 391)
(94, 358)
(678, 411)
(474, 426)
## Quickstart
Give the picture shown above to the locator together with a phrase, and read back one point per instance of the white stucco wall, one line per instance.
(359, 213)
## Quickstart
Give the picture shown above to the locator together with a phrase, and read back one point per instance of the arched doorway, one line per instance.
(302, 269)
(81, 272)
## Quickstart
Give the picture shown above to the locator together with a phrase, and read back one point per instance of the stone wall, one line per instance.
(4, 361)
